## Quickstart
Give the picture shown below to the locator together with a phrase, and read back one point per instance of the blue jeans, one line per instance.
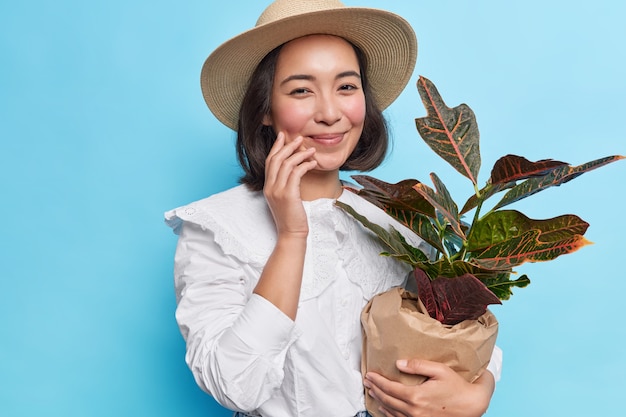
(359, 414)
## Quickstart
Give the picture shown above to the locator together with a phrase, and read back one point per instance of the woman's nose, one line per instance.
(328, 110)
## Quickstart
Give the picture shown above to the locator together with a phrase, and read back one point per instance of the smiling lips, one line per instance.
(327, 139)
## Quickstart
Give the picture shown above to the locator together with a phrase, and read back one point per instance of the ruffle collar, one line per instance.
(242, 225)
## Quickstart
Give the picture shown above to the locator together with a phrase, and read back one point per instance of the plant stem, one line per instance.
(476, 217)
(441, 232)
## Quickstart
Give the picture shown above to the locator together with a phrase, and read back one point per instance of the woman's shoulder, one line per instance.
(235, 206)
(238, 220)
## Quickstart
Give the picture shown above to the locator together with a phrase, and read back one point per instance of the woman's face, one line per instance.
(317, 94)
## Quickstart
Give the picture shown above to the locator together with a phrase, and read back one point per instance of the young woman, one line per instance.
(270, 276)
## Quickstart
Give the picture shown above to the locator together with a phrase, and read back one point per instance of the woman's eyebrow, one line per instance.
(297, 77)
(307, 77)
(348, 74)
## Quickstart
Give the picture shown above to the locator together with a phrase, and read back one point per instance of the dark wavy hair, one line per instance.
(254, 139)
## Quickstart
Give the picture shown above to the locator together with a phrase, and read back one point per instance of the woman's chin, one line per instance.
(326, 168)
(328, 164)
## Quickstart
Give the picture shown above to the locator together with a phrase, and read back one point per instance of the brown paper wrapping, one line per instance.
(397, 326)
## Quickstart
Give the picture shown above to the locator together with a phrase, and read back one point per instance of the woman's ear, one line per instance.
(267, 120)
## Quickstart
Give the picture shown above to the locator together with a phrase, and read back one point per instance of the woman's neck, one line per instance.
(316, 185)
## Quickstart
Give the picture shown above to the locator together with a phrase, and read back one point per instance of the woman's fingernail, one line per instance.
(402, 362)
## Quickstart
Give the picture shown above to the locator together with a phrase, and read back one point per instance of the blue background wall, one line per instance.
(103, 128)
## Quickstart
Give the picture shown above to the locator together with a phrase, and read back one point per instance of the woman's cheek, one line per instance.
(357, 111)
(292, 122)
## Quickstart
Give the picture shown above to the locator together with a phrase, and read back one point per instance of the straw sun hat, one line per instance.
(386, 39)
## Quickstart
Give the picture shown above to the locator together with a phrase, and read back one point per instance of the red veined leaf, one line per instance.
(500, 226)
(451, 132)
(402, 203)
(553, 178)
(462, 298)
(442, 201)
(400, 195)
(525, 248)
(426, 295)
(453, 300)
(514, 168)
(506, 172)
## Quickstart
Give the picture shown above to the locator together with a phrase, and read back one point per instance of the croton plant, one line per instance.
(473, 263)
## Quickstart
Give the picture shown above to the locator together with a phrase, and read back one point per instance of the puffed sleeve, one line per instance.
(236, 340)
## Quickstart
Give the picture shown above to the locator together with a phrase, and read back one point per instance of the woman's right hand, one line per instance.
(281, 278)
(285, 166)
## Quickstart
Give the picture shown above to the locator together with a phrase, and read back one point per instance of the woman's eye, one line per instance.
(348, 87)
(299, 91)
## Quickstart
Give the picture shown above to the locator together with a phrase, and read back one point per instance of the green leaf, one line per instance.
(393, 240)
(527, 247)
(421, 225)
(554, 177)
(461, 267)
(443, 203)
(500, 226)
(451, 132)
(502, 286)
(445, 268)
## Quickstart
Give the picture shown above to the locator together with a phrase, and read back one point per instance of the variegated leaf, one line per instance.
(451, 132)
(500, 226)
(553, 178)
(453, 300)
(442, 201)
(514, 168)
(525, 248)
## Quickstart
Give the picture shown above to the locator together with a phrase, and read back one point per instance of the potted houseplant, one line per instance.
(472, 264)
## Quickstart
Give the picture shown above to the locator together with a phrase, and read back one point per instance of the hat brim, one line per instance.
(386, 39)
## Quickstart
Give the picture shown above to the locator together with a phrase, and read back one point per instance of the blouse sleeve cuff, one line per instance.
(263, 328)
(495, 364)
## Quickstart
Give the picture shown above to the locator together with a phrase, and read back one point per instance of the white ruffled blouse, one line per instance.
(244, 351)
